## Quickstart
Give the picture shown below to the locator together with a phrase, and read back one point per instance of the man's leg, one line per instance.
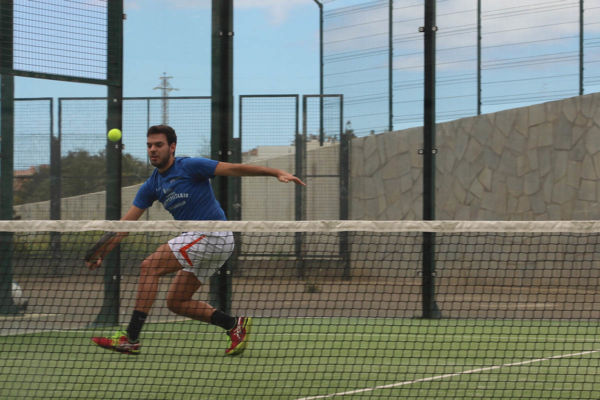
(179, 300)
(159, 263)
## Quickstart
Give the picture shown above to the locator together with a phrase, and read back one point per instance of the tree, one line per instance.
(81, 173)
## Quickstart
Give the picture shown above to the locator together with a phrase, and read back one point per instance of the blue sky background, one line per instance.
(276, 52)
(275, 49)
(276, 46)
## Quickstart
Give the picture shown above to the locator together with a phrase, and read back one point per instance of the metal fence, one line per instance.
(317, 152)
(77, 42)
(68, 169)
(490, 56)
(78, 169)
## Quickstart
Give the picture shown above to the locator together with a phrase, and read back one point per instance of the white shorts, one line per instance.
(202, 253)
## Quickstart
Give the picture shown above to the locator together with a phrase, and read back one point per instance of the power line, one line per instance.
(165, 88)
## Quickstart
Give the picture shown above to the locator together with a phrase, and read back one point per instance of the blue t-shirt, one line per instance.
(184, 190)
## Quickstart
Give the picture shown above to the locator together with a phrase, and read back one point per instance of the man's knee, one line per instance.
(173, 304)
(176, 303)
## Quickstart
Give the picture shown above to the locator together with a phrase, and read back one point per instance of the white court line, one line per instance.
(444, 376)
(510, 339)
(22, 317)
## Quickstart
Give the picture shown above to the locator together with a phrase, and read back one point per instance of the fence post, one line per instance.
(7, 93)
(55, 185)
(222, 125)
(430, 308)
(345, 137)
(300, 156)
(109, 313)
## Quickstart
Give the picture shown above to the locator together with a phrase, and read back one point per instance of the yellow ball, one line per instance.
(114, 135)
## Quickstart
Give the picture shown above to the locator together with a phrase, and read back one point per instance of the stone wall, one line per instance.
(533, 163)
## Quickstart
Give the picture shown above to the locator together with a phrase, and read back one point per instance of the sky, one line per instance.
(276, 43)
(529, 55)
(276, 51)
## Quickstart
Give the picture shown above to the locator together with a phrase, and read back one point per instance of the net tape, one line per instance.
(301, 226)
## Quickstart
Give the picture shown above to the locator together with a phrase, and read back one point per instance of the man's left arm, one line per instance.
(232, 169)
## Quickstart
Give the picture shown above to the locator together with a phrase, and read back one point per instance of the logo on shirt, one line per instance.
(175, 200)
(175, 196)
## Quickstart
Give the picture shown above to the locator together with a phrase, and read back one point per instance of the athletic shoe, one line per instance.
(239, 336)
(118, 342)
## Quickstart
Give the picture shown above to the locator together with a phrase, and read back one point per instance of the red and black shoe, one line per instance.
(239, 336)
(118, 342)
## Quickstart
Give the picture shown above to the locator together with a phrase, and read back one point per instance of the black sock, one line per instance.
(135, 325)
(223, 320)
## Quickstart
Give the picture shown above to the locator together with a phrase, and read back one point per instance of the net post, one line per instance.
(7, 93)
(109, 313)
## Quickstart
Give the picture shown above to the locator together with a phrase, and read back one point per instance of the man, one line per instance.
(183, 186)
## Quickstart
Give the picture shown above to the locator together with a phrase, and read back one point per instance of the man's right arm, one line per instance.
(110, 240)
(133, 214)
(232, 169)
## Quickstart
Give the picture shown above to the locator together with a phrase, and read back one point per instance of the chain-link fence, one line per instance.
(79, 172)
(73, 181)
(490, 56)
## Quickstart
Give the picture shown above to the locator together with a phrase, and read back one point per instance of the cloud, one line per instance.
(168, 4)
(132, 5)
(278, 11)
(202, 4)
(521, 26)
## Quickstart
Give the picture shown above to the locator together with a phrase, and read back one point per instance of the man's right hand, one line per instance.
(92, 265)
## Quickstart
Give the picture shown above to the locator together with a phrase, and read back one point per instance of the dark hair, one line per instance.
(166, 130)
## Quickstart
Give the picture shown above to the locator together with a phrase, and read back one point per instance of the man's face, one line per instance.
(160, 153)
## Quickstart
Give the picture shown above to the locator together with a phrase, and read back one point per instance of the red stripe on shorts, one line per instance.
(185, 248)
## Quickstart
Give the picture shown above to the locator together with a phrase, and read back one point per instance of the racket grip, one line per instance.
(101, 242)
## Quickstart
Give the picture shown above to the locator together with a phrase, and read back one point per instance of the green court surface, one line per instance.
(314, 358)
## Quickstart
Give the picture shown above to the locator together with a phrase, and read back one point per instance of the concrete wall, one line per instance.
(88, 206)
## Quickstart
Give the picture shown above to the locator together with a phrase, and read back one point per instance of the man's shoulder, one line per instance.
(152, 179)
(191, 160)
(193, 163)
(182, 162)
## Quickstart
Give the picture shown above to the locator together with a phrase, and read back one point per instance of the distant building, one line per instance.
(260, 153)
(20, 176)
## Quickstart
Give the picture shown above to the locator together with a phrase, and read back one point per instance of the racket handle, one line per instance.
(101, 242)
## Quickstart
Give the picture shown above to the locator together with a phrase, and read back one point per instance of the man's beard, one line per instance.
(160, 163)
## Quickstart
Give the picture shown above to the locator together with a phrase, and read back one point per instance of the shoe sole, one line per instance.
(242, 346)
(122, 351)
(130, 352)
